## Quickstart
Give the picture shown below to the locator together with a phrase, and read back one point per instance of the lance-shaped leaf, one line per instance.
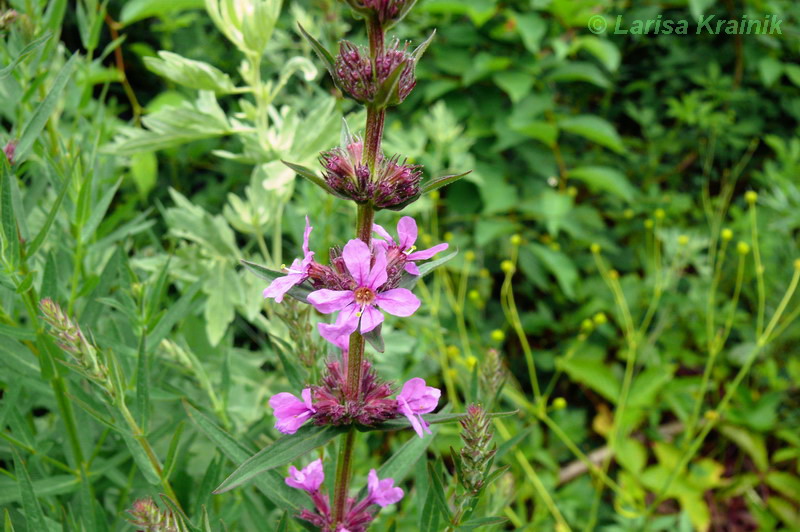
(299, 292)
(388, 92)
(408, 280)
(402, 14)
(375, 338)
(419, 50)
(323, 54)
(403, 423)
(439, 182)
(281, 452)
(309, 174)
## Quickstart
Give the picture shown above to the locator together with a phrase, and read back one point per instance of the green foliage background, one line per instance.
(134, 195)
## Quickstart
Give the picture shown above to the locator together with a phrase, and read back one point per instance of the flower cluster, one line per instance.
(356, 76)
(358, 515)
(9, 149)
(331, 404)
(386, 11)
(393, 183)
(147, 516)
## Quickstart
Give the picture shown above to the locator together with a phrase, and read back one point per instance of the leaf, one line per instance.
(9, 220)
(439, 182)
(544, 132)
(28, 50)
(375, 338)
(560, 265)
(472, 524)
(281, 452)
(299, 292)
(532, 28)
(323, 54)
(269, 483)
(34, 246)
(310, 175)
(579, 71)
(135, 10)
(786, 483)
(34, 517)
(595, 129)
(516, 84)
(144, 171)
(604, 178)
(603, 49)
(177, 311)
(35, 124)
(189, 73)
(403, 423)
(770, 69)
(436, 487)
(593, 373)
(408, 280)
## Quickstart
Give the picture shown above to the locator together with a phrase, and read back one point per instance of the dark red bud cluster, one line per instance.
(334, 406)
(356, 76)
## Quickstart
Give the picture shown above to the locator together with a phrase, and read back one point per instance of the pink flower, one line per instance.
(407, 233)
(416, 399)
(359, 305)
(310, 478)
(297, 273)
(291, 411)
(382, 492)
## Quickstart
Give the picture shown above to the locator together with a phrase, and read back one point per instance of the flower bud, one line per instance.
(355, 75)
(507, 266)
(484, 273)
(628, 214)
(477, 452)
(9, 150)
(469, 256)
(751, 197)
(648, 224)
(559, 403)
(387, 12)
(660, 214)
(613, 274)
(516, 240)
(683, 240)
(7, 18)
(743, 248)
(146, 515)
(474, 295)
(600, 319)
(726, 235)
(595, 248)
(797, 264)
(498, 335)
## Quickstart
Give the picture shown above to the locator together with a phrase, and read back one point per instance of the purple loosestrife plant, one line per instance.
(362, 281)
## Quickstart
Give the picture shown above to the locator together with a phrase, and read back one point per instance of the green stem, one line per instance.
(343, 470)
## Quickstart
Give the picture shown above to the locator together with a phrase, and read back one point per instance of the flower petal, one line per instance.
(427, 253)
(411, 268)
(346, 324)
(404, 409)
(406, 232)
(306, 235)
(327, 301)
(370, 318)
(377, 275)
(398, 302)
(278, 288)
(357, 258)
(383, 233)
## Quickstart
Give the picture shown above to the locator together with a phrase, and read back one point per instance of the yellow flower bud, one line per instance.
(660, 214)
(448, 236)
(427, 239)
(507, 266)
(743, 248)
(587, 325)
(614, 274)
(648, 223)
(600, 318)
(751, 197)
(595, 248)
(484, 273)
(471, 361)
(453, 351)
(498, 335)
(683, 240)
(726, 235)
(516, 240)
(469, 255)
(434, 195)
(559, 403)
(712, 415)
(797, 264)
(555, 246)
(572, 192)
(628, 214)
(474, 295)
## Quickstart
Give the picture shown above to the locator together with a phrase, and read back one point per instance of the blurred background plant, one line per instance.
(615, 281)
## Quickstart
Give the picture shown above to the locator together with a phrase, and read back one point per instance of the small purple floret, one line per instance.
(416, 399)
(291, 411)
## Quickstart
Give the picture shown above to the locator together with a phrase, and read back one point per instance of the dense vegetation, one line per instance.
(625, 278)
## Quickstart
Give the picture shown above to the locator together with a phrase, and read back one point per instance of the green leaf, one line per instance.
(35, 124)
(269, 483)
(189, 73)
(595, 129)
(439, 182)
(177, 311)
(310, 175)
(323, 54)
(281, 452)
(299, 292)
(135, 10)
(34, 246)
(9, 219)
(579, 71)
(770, 70)
(532, 28)
(603, 49)
(472, 524)
(516, 84)
(544, 132)
(786, 483)
(593, 373)
(28, 50)
(403, 423)
(34, 517)
(603, 178)
(560, 265)
(144, 171)
(375, 338)
(437, 490)
(408, 280)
